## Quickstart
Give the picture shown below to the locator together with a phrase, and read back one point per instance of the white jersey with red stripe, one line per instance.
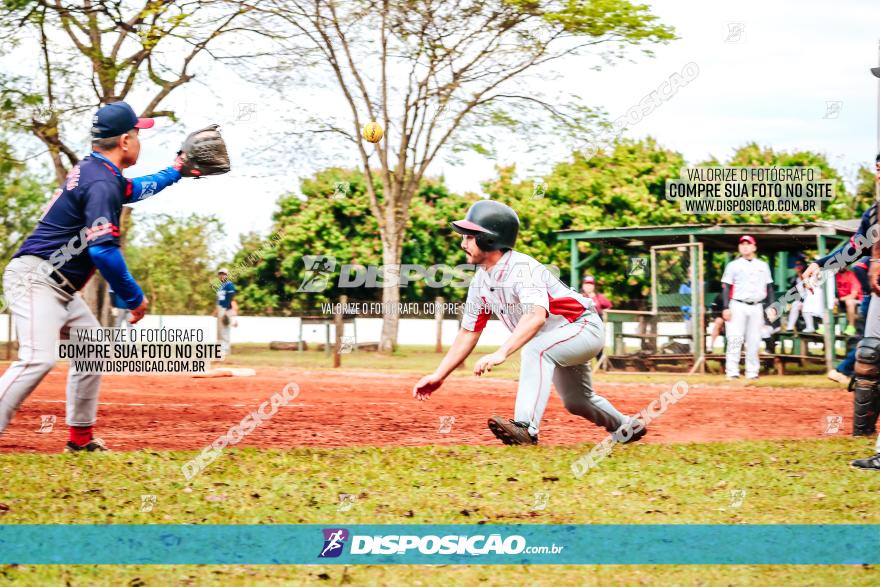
(513, 287)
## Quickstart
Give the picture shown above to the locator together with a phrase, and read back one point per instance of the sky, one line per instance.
(785, 74)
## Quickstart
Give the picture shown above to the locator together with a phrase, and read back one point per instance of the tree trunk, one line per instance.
(390, 289)
(97, 295)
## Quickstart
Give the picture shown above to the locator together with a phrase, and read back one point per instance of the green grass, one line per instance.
(423, 359)
(784, 482)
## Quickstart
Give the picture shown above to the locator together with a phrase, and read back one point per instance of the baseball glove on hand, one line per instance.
(203, 153)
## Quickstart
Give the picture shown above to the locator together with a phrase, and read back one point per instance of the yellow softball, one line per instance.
(373, 132)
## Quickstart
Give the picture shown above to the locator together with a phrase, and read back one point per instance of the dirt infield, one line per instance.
(344, 408)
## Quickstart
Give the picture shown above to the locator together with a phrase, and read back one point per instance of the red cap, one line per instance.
(588, 279)
(747, 239)
(468, 225)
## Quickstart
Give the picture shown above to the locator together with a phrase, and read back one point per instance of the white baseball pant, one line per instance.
(563, 356)
(44, 314)
(224, 331)
(745, 324)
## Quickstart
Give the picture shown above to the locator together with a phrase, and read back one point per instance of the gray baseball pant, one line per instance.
(224, 331)
(563, 356)
(44, 314)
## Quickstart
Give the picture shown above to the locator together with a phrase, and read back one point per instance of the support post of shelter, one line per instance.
(575, 277)
(827, 321)
(780, 273)
(698, 323)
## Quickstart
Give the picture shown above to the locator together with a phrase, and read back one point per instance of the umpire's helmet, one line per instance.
(494, 225)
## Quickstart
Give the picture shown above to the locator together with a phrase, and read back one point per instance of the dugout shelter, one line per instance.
(672, 262)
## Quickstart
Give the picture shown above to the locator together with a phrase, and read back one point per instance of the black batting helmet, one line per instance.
(493, 224)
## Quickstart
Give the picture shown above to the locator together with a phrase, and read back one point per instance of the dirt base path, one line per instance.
(345, 408)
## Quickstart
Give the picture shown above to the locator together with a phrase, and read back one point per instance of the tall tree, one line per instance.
(22, 196)
(442, 75)
(623, 184)
(335, 221)
(94, 52)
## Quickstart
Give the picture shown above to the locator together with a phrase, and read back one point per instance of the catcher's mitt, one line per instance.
(226, 321)
(204, 153)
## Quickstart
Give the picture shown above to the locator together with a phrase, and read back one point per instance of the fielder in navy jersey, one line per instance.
(77, 234)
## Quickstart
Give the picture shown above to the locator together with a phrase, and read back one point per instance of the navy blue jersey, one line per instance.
(225, 295)
(83, 212)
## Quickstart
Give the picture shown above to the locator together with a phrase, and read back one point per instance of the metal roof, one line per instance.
(719, 237)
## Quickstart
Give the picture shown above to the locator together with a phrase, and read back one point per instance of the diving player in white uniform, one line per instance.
(558, 329)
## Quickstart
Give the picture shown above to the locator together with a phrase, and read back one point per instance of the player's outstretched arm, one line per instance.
(464, 344)
(147, 186)
(525, 330)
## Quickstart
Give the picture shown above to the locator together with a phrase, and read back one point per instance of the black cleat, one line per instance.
(632, 437)
(869, 464)
(94, 445)
(510, 432)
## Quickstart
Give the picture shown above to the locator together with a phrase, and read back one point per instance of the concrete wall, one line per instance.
(258, 329)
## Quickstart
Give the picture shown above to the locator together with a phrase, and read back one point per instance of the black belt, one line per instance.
(745, 302)
(62, 282)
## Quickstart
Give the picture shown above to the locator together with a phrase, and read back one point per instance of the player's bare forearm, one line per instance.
(463, 346)
(464, 343)
(525, 330)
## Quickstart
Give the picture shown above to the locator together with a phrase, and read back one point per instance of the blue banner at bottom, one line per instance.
(502, 544)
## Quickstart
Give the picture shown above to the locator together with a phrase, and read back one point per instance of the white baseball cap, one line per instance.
(223, 270)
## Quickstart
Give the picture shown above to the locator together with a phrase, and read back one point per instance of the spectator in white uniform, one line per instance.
(746, 284)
